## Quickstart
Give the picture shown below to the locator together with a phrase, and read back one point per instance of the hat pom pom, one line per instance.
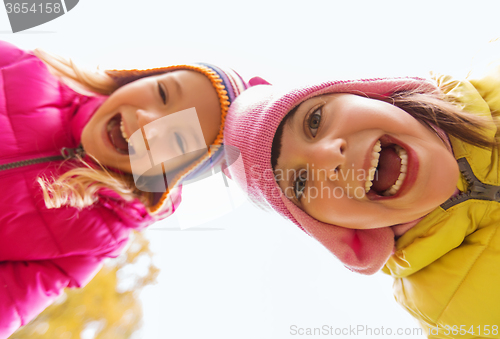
(257, 81)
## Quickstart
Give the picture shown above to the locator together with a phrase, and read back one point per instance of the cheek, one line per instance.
(437, 161)
(210, 125)
(334, 206)
(343, 209)
(444, 174)
(90, 135)
(135, 94)
(210, 132)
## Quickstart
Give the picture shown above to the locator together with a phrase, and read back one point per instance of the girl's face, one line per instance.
(136, 104)
(332, 144)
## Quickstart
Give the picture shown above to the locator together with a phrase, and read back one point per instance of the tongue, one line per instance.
(388, 170)
(116, 137)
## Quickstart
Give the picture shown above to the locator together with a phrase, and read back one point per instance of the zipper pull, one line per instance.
(485, 191)
(476, 189)
(71, 153)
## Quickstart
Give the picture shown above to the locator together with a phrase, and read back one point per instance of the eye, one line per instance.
(180, 143)
(314, 120)
(163, 93)
(300, 184)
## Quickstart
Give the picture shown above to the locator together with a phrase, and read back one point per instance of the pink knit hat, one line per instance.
(251, 123)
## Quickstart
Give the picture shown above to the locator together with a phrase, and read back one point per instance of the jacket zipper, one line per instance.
(66, 154)
(475, 190)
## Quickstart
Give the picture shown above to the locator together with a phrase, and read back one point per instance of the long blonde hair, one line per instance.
(79, 186)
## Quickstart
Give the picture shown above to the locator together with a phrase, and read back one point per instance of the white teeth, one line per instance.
(402, 172)
(374, 163)
(122, 128)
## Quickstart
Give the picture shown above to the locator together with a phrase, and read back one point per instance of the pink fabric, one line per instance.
(43, 251)
(257, 81)
(250, 127)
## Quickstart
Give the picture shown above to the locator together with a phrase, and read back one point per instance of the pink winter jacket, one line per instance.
(43, 251)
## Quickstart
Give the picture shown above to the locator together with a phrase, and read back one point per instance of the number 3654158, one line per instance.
(18, 7)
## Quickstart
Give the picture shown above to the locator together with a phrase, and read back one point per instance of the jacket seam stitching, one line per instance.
(18, 61)
(9, 117)
(470, 267)
(65, 272)
(13, 301)
(108, 227)
(117, 241)
(65, 118)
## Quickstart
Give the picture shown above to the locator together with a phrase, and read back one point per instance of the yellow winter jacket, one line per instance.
(447, 267)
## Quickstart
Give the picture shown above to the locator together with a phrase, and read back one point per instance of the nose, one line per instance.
(328, 158)
(145, 117)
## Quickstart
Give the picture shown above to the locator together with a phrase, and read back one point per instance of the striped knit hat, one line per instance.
(251, 124)
(228, 85)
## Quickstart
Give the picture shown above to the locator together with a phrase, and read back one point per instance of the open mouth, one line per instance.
(388, 169)
(117, 135)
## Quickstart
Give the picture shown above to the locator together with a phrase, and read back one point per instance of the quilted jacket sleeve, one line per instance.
(9, 53)
(28, 287)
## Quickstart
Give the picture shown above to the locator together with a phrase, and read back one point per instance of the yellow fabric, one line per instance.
(447, 267)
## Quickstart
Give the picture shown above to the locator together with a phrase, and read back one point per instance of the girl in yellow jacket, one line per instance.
(395, 174)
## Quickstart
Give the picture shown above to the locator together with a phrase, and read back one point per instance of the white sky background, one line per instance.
(250, 274)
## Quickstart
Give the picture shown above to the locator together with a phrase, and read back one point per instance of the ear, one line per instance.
(363, 251)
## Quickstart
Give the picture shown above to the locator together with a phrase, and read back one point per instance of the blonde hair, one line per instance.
(79, 187)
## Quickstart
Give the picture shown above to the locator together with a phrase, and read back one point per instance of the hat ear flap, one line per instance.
(362, 251)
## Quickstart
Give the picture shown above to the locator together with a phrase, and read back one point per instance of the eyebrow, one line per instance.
(297, 127)
(177, 86)
(289, 181)
(291, 121)
(296, 131)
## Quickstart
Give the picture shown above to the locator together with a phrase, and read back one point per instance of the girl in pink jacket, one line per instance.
(68, 198)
